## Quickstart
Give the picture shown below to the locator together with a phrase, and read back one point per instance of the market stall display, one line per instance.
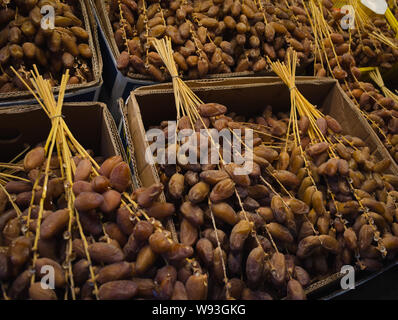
(257, 216)
(209, 37)
(217, 37)
(370, 44)
(225, 184)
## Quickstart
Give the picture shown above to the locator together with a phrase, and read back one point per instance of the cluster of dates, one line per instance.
(381, 112)
(24, 42)
(296, 217)
(348, 50)
(103, 248)
(208, 37)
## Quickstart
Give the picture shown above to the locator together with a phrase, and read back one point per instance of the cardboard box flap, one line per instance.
(206, 84)
(244, 97)
(249, 97)
(106, 25)
(91, 124)
(145, 173)
(129, 150)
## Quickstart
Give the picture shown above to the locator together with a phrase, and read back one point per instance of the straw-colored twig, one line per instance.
(378, 79)
(187, 104)
(305, 108)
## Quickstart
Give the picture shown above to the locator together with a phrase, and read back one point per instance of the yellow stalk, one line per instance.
(378, 79)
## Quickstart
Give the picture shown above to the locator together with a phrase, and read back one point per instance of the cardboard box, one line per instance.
(120, 85)
(156, 103)
(29, 125)
(80, 92)
(148, 106)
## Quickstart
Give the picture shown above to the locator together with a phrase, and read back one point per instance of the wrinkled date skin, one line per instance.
(208, 38)
(25, 41)
(305, 200)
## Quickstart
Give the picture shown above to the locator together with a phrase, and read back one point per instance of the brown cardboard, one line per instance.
(90, 26)
(97, 60)
(148, 106)
(91, 124)
(125, 135)
(207, 84)
(248, 96)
